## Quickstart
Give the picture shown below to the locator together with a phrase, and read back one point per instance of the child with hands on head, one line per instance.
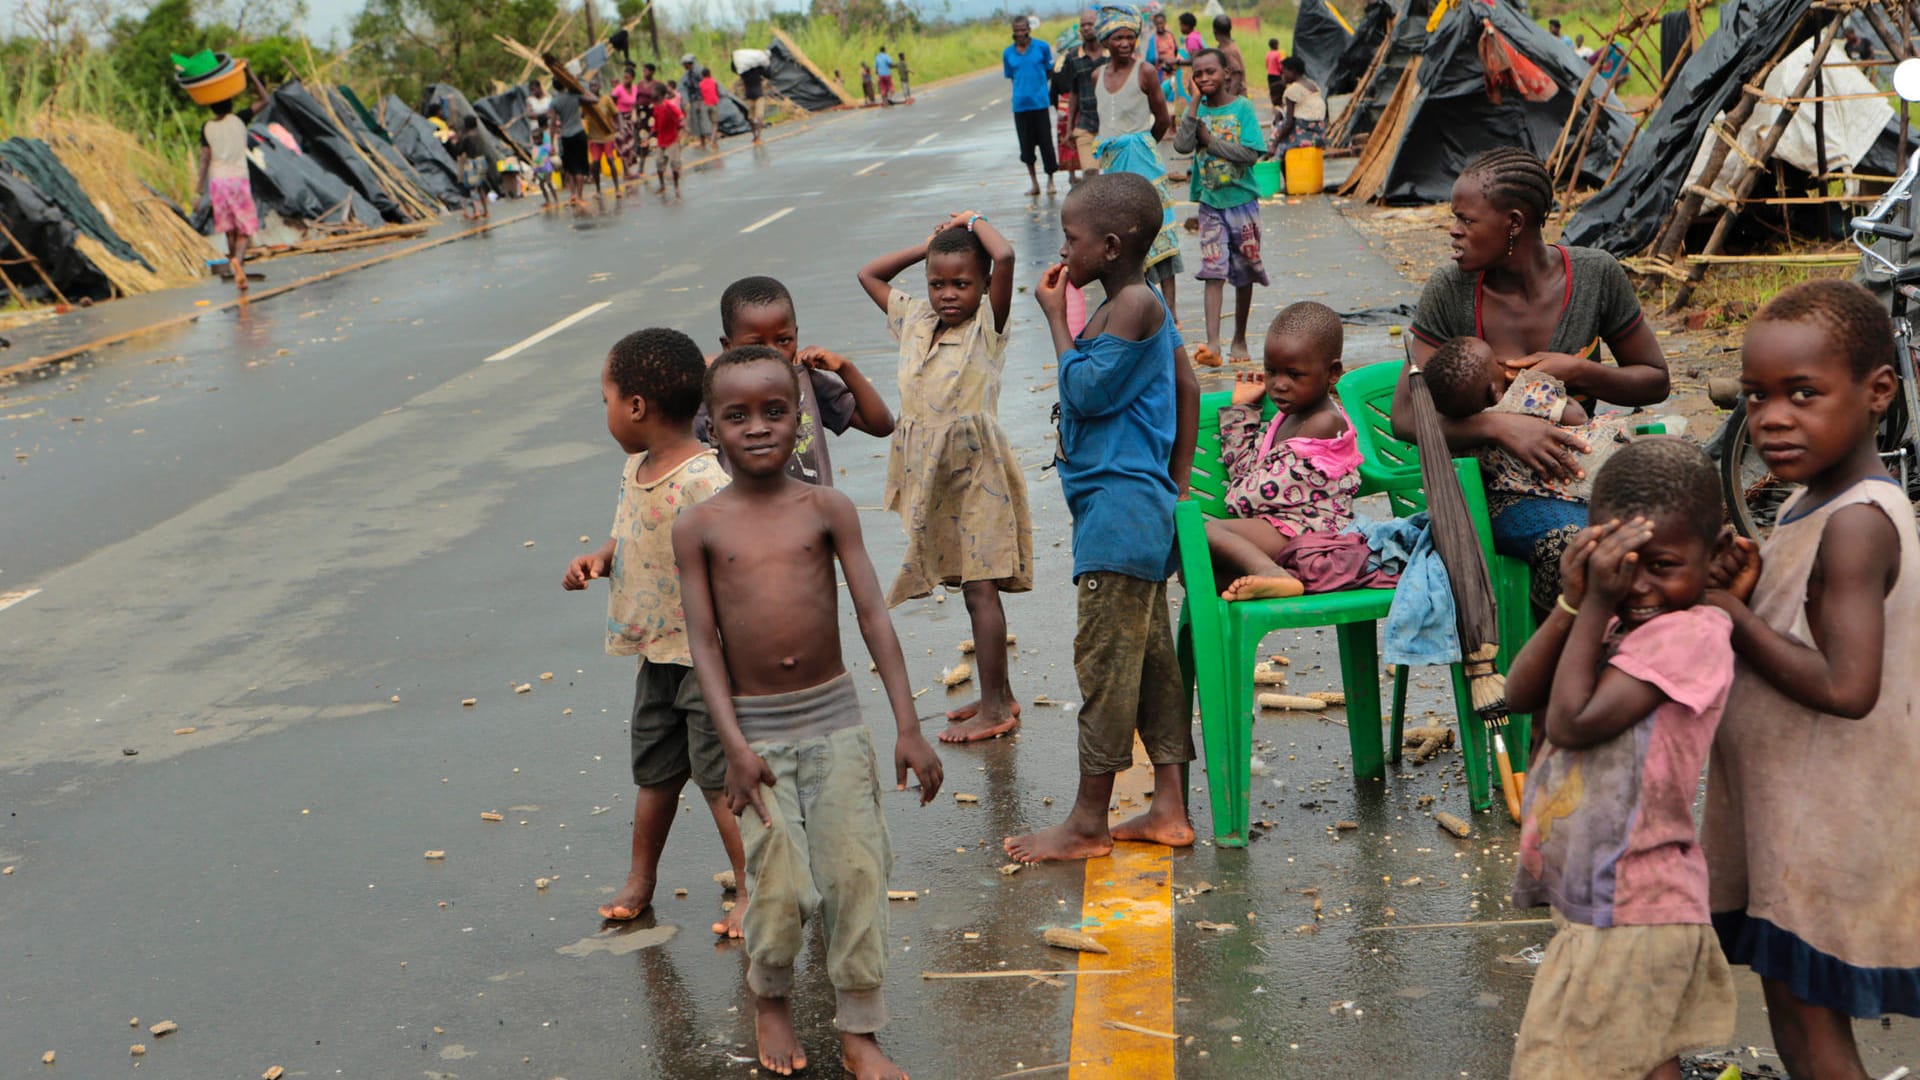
(1296, 473)
(834, 396)
(1128, 411)
(952, 475)
(1631, 669)
(1812, 818)
(757, 576)
(651, 384)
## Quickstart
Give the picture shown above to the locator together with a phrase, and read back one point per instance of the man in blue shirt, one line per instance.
(1029, 63)
(883, 67)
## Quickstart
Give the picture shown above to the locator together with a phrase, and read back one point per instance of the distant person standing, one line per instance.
(1553, 27)
(753, 88)
(573, 143)
(1236, 64)
(883, 67)
(227, 186)
(1028, 63)
(866, 82)
(1190, 32)
(539, 114)
(906, 80)
(1082, 66)
(699, 123)
(1274, 85)
(626, 108)
(710, 104)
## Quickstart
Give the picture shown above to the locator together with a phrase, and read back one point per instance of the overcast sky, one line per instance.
(325, 17)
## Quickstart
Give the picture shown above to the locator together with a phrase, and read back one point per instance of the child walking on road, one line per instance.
(1632, 670)
(757, 573)
(1223, 134)
(834, 396)
(651, 385)
(952, 474)
(473, 168)
(1294, 474)
(227, 187)
(1127, 417)
(1812, 818)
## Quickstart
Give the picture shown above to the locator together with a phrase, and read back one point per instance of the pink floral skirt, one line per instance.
(232, 201)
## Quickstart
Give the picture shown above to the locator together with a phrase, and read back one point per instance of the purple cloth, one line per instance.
(1329, 562)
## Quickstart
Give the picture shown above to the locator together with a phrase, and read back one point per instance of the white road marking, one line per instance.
(514, 350)
(927, 138)
(7, 600)
(768, 220)
(992, 103)
(871, 167)
(968, 117)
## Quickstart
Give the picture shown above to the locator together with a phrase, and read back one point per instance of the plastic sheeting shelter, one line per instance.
(1453, 116)
(47, 235)
(414, 138)
(295, 186)
(1320, 38)
(503, 114)
(793, 80)
(1357, 55)
(325, 143)
(1624, 216)
(35, 161)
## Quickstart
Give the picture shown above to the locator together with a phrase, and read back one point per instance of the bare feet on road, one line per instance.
(1058, 844)
(972, 724)
(635, 897)
(780, 1049)
(1157, 827)
(733, 925)
(861, 1056)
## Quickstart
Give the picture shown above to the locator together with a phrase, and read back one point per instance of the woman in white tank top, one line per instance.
(1133, 118)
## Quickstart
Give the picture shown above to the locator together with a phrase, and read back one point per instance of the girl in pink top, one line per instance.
(626, 137)
(1294, 474)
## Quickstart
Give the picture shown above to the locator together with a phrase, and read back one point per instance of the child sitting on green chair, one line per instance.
(1294, 474)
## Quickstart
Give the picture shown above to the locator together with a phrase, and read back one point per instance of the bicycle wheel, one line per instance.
(1752, 492)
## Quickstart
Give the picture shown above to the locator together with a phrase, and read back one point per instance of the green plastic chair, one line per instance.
(1219, 642)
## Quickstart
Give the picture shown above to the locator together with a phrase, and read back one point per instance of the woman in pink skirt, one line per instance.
(225, 185)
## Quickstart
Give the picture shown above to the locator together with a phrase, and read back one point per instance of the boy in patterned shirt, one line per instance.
(652, 387)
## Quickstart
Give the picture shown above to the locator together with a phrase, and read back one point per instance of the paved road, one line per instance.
(309, 530)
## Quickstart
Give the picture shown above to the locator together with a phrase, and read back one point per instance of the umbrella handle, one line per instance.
(1510, 781)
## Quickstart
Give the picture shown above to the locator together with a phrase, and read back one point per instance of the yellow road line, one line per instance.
(1127, 903)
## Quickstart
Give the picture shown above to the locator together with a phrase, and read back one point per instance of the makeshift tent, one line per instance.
(1399, 49)
(1450, 106)
(504, 115)
(38, 233)
(324, 144)
(794, 78)
(1320, 38)
(34, 161)
(414, 137)
(1625, 215)
(296, 187)
(1357, 56)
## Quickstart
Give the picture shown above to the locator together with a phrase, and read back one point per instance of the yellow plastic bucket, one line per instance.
(1306, 170)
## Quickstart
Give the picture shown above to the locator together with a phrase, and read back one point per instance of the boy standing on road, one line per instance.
(1223, 134)
(1236, 64)
(757, 574)
(651, 386)
(1127, 417)
(1027, 62)
(668, 119)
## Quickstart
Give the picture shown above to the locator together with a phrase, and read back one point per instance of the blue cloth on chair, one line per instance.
(1420, 628)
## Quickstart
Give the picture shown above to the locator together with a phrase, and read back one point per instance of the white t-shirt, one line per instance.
(227, 138)
(1308, 103)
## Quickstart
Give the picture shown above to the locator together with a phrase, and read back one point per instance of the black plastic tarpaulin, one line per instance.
(295, 186)
(35, 162)
(48, 236)
(1320, 37)
(1407, 39)
(414, 137)
(1453, 117)
(1624, 216)
(505, 113)
(790, 79)
(1357, 56)
(325, 144)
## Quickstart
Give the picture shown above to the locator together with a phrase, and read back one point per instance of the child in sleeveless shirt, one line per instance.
(1296, 473)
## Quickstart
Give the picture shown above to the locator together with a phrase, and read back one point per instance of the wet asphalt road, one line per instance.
(269, 525)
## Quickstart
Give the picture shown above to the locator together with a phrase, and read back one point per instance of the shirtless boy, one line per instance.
(757, 580)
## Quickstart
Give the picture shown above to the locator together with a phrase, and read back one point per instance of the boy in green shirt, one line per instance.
(1222, 132)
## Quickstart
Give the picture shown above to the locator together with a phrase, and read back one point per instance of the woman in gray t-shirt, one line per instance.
(1540, 306)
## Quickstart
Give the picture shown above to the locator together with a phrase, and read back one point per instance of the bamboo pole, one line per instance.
(1673, 232)
(1744, 176)
(1338, 135)
(1680, 59)
(28, 258)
